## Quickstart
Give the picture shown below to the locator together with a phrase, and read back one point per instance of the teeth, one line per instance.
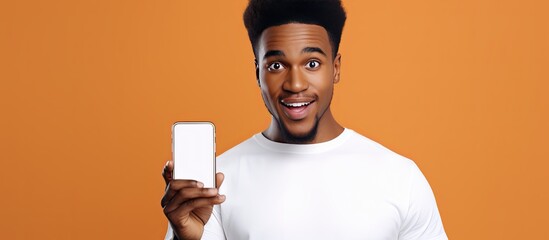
(301, 104)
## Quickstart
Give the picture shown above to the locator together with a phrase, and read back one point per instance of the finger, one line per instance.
(219, 177)
(167, 171)
(189, 195)
(175, 186)
(189, 206)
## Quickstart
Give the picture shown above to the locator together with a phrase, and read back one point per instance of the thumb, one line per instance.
(219, 177)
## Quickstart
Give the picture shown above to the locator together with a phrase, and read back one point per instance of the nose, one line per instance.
(295, 81)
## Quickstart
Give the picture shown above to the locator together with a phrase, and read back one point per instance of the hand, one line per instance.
(187, 204)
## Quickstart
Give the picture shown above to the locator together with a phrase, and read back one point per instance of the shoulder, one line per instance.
(421, 219)
(247, 147)
(376, 153)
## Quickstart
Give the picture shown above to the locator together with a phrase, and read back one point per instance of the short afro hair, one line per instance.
(262, 14)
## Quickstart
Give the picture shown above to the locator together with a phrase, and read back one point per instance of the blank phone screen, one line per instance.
(194, 152)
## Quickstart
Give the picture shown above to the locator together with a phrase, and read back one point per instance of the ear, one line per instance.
(257, 72)
(337, 67)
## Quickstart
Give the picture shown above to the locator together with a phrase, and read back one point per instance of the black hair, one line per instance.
(262, 14)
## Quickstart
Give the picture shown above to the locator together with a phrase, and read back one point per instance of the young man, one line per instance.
(305, 176)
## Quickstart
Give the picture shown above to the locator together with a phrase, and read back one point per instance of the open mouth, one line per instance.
(296, 109)
(296, 104)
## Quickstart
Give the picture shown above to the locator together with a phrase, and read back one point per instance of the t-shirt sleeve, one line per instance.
(422, 222)
(213, 230)
(169, 233)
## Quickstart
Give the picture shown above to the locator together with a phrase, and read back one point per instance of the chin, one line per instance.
(299, 132)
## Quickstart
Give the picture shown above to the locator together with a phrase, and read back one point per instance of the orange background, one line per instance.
(89, 90)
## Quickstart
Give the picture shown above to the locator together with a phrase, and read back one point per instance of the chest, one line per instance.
(308, 200)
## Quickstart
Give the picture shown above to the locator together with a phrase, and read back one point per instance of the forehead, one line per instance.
(293, 37)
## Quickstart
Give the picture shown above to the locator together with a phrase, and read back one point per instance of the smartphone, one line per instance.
(193, 149)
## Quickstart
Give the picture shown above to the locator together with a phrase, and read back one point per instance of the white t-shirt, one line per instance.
(347, 188)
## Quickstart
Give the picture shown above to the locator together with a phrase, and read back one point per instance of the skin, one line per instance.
(294, 63)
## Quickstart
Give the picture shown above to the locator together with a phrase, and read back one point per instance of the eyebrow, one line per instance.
(312, 50)
(272, 53)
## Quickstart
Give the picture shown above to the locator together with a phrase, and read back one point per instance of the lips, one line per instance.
(296, 108)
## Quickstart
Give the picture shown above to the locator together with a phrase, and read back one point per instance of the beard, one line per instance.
(298, 139)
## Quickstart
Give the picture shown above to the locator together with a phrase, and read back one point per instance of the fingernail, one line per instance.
(167, 163)
(221, 197)
(199, 184)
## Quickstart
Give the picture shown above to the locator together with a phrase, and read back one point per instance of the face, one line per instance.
(297, 73)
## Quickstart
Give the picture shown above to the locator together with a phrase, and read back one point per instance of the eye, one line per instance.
(313, 64)
(275, 66)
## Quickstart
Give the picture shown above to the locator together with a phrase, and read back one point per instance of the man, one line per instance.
(305, 176)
